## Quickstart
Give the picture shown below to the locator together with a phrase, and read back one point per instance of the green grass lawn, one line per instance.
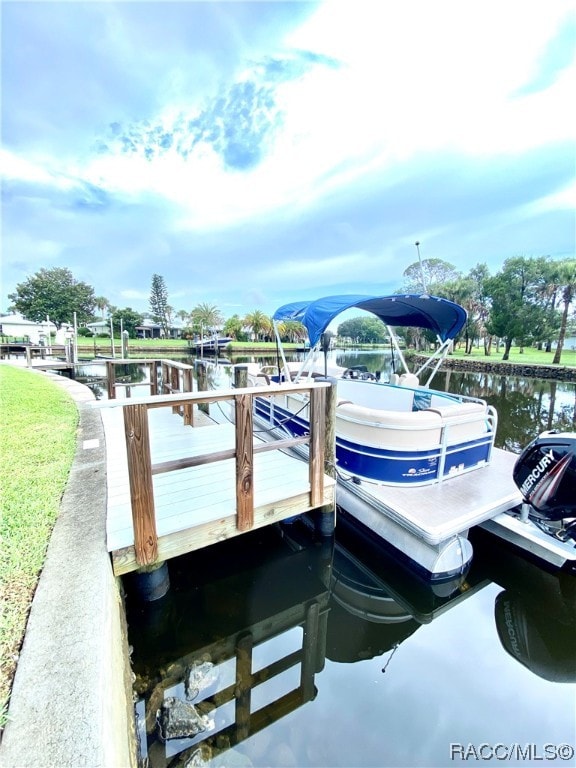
(529, 356)
(38, 423)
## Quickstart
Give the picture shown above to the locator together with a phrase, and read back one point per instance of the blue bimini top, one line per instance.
(443, 317)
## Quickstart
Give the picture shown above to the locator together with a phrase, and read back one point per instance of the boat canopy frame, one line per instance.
(442, 316)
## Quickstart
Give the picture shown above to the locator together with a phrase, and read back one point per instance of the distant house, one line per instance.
(15, 326)
(99, 326)
(149, 330)
(569, 343)
(152, 330)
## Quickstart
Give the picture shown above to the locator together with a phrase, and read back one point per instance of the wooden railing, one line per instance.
(53, 350)
(113, 385)
(141, 469)
(176, 378)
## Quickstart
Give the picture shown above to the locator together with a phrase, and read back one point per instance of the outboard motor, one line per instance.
(545, 473)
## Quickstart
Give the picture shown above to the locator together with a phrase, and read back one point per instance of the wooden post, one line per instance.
(244, 463)
(330, 429)
(141, 487)
(240, 376)
(202, 384)
(188, 410)
(164, 369)
(316, 448)
(124, 344)
(326, 516)
(175, 385)
(154, 377)
(111, 379)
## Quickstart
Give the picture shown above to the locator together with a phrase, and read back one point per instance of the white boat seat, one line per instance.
(464, 421)
(406, 430)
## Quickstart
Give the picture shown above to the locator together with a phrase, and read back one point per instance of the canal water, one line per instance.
(279, 649)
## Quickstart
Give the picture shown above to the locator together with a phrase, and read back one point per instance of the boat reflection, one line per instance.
(242, 636)
(535, 614)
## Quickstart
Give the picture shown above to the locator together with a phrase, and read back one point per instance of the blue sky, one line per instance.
(259, 153)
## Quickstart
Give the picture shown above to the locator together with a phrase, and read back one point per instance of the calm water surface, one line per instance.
(301, 653)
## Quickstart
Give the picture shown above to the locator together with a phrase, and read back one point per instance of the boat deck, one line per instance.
(434, 513)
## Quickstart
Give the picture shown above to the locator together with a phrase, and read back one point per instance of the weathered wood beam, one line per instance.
(111, 379)
(187, 386)
(141, 488)
(244, 462)
(316, 452)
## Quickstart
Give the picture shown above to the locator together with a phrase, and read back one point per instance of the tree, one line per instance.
(516, 311)
(465, 291)
(567, 278)
(130, 320)
(159, 303)
(435, 272)
(364, 330)
(206, 316)
(292, 330)
(54, 293)
(234, 328)
(480, 303)
(102, 304)
(258, 322)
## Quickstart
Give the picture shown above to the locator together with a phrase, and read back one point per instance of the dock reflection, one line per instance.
(252, 615)
(241, 638)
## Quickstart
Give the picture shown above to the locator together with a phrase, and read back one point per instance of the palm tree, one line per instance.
(292, 330)
(206, 316)
(258, 322)
(567, 278)
(102, 304)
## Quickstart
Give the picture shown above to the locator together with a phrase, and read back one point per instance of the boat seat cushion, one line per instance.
(406, 430)
(464, 421)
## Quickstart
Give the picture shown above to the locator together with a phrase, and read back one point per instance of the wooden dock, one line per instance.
(174, 488)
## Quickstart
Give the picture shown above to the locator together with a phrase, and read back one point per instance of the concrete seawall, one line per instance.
(504, 368)
(71, 702)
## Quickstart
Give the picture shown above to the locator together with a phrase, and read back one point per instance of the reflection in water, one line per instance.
(93, 375)
(254, 614)
(243, 639)
(535, 615)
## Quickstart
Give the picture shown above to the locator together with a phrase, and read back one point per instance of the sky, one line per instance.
(259, 153)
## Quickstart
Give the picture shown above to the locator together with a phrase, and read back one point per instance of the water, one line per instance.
(324, 655)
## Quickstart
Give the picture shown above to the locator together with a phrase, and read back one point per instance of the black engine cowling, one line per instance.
(545, 473)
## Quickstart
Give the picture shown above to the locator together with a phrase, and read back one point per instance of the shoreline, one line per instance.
(473, 365)
(506, 368)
